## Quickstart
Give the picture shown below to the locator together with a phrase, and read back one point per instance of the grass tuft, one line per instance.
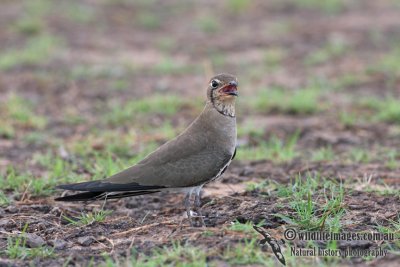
(392, 227)
(238, 6)
(89, 218)
(148, 20)
(274, 149)
(273, 57)
(208, 24)
(326, 6)
(300, 102)
(37, 50)
(387, 109)
(323, 154)
(4, 199)
(317, 203)
(19, 112)
(165, 105)
(176, 255)
(16, 248)
(333, 49)
(389, 64)
(247, 253)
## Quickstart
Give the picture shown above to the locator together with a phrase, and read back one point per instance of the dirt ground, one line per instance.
(102, 54)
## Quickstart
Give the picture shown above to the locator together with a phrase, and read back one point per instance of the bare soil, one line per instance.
(115, 38)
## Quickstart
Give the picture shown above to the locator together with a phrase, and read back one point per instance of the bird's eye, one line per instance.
(214, 84)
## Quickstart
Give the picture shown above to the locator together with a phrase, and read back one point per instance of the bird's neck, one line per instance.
(214, 124)
(226, 108)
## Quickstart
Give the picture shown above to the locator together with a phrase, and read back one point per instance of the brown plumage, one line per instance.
(200, 154)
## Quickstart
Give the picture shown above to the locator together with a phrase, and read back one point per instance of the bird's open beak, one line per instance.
(231, 89)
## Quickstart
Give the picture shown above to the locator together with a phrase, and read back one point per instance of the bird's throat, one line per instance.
(226, 108)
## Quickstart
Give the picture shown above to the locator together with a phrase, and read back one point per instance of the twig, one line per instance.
(144, 227)
(145, 216)
(109, 241)
(25, 192)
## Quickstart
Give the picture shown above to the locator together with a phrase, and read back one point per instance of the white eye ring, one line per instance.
(214, 84)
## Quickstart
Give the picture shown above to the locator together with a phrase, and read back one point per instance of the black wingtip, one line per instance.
(63, 186)
(105, 186)
(81, 197)
(91, 196)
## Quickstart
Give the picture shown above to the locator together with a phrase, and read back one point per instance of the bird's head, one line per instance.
(222, 92)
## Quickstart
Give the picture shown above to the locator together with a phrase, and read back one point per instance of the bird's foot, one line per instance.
(197, 204)
(192, 214)
(200, 218)
(194, 218)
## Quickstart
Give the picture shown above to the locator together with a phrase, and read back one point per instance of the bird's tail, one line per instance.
(101, 190)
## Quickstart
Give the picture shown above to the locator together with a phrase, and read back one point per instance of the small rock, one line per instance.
(63, 153)
(7, 262)
(58, 244)
(33, 240)
(246, 171)
(4, 222)
(12, 209)
(56, 211)
(3, 244)
(86, 240)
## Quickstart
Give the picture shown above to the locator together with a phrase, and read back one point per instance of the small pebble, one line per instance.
(33, 240)
(86, 240)
(58, 244)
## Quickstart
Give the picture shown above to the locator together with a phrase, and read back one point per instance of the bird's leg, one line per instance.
(197, 205)
(186, 202)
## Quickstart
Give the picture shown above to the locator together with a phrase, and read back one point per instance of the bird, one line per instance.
(197, 156)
